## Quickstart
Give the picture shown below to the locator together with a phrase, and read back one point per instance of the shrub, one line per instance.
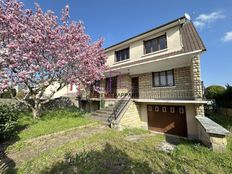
(213, 91)
(225, 99)
(8, 121)
(7, 94)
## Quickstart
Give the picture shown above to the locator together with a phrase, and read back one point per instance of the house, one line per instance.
(153, 81)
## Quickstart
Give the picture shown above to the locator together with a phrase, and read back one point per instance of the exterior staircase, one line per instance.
(111, 113)
(103, 114)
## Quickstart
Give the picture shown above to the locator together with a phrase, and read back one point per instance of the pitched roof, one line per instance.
(190, 38)
(153, 29)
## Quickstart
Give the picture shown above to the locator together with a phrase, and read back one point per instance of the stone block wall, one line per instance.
(123, 84)
(196, 77)
(199, 109)
(181, 90)
(216, 142)
(131, 117)
(211, 134)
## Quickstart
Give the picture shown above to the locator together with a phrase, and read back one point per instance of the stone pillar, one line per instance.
(196, 78)
(199, 109)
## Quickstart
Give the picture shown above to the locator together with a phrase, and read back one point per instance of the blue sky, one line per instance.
(116, 20)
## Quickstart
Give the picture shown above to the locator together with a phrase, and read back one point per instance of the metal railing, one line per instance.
(118, 108)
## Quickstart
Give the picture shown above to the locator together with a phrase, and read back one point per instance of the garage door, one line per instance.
(167, 119)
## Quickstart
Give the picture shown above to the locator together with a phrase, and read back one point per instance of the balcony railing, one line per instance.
(150, 93)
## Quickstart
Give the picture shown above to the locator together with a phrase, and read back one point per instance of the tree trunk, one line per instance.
(36, 111)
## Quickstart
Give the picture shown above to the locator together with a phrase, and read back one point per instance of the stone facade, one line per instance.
(199, 109)
(187, 84)
(211, 134)
(181, 90)
(131, 118)
(196, 78)
(123, 83)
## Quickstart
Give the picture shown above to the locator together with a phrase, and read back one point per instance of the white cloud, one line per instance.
(203, 19)
(227, 37)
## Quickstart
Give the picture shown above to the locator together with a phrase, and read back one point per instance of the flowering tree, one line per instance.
(37, 50)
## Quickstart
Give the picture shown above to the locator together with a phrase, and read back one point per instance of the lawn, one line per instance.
(111, 151)
(51, 122)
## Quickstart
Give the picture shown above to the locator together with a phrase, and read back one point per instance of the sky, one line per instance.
(117, 20)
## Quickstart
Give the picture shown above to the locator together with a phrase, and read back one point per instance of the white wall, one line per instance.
(137, 47)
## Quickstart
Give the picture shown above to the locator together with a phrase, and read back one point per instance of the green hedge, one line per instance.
(8, 121)
(225, 99)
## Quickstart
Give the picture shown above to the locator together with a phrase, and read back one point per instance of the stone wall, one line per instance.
(199, 109)
(123, 84)
(181, 90)
(131, 117)
(211, 134)
(4, 101)
(196, 77)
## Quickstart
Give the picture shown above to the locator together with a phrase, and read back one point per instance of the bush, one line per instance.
(225, 99)
(213, 91)
(8, 121)
(7, 94)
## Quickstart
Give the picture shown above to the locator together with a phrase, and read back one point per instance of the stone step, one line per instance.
(103, 120)
(100, 115)
(103, 111)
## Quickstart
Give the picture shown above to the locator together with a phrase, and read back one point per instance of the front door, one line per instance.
(111, 87)
(135, 87)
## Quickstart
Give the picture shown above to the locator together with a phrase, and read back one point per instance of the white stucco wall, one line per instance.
(137, 47)
(64, 91)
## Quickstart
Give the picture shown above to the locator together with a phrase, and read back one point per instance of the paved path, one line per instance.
(40, 145)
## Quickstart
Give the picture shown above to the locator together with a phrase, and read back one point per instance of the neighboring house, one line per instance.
(160, 70)
(67, 91)
(70, 90)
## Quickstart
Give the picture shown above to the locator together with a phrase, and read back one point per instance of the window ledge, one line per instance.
(163, 87)
(115, 63)
(154, 53)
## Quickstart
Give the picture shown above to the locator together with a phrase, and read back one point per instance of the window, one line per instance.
(172, 109)
(122, 55)
(156, 108)
(155, 44)
(164, 78)
(164, 109)
(181, 110)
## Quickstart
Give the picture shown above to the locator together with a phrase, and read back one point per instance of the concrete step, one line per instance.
(100, 115)
(100, 119)
(103, 111)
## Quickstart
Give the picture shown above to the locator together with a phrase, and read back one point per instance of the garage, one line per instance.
(167, 119)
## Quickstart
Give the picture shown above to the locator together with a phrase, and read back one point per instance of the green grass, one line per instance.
(226, 122)
(110, 152)
(51, 122)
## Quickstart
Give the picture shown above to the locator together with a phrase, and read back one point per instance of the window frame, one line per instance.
(121, 50)
(166, 78)
(156, 39)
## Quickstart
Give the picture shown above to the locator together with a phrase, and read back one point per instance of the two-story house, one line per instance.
(159, 73)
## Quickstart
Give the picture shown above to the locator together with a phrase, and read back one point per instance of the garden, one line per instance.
(68, 141)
